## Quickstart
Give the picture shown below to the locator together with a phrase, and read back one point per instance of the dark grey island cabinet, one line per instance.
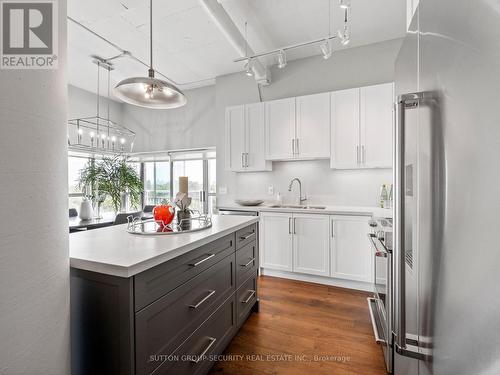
(174, 318)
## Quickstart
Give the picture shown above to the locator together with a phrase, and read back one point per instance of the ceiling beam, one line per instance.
(234, 36)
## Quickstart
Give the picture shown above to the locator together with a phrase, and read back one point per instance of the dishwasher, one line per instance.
(235, 211)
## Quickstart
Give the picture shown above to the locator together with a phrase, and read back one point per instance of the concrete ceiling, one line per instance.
(191, 50)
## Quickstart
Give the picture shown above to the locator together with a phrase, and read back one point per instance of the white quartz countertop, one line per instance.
(328, 210)
(113, 251)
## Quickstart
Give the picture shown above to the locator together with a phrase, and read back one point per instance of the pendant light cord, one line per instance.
(151, 72)
(97, 88)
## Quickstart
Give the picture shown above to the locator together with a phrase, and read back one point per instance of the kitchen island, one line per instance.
(165, 304)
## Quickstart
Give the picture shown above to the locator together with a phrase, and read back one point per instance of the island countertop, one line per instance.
(113, 251)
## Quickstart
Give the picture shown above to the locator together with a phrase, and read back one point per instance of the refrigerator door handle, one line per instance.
(404, 102)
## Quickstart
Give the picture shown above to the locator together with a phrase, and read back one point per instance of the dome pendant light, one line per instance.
(150, 92)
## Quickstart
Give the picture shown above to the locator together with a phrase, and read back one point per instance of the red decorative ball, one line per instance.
(164, 214)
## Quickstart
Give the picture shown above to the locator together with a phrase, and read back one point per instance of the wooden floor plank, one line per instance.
(326, 330)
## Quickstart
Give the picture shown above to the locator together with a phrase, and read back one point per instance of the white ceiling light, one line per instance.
(281, 59)
(150, 92)
(326, 49)
(249, 68)
(345, 35)
(345, 4)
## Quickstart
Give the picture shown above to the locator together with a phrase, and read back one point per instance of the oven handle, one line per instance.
(379, 251)
(371, 303)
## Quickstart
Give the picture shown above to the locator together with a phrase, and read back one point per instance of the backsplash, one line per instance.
(321, 184)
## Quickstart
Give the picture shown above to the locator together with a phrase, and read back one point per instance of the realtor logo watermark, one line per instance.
(28, 34)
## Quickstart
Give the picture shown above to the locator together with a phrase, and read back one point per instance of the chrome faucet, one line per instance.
(301, 198)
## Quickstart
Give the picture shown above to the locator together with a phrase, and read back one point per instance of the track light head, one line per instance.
(345, 36)
(345, 4)
(281, 59)
(249, 68)
(326, 49)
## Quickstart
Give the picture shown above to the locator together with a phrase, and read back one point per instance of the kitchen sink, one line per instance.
(296, 206)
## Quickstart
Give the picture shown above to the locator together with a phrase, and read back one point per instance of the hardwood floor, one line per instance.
(325, 330)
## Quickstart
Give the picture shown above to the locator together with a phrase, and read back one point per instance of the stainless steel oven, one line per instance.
(380, 238)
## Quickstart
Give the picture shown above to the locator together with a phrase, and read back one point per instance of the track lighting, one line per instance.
(345, 36)
(345, 4)
(281, 59)
(326, 49)
(249, 68)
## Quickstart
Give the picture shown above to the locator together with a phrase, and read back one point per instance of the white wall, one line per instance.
(191, 126)
(82, 103)
(353, 67)
(34, 260)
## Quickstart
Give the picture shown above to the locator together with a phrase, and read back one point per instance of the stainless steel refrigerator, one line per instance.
(446, 259)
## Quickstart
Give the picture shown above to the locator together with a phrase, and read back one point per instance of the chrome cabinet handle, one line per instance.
(363, 154)
(210, 256)
(203, 300)
(289, 225)
(205, 351)
(250, 296)
(246, 159)
(333, 228)
(404, 102)
(247, 236)
(297, 149)
(294, 225)
(293, 146)
(242, 160)
(357, 154)
(249, 262)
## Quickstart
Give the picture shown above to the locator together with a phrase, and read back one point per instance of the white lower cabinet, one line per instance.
(311, 244)
(276, 241)
(350, 250)
(315, 244)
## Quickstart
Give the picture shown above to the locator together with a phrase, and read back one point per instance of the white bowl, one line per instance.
(249, 202)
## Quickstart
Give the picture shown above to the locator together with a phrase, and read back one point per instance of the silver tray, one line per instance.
(152, 227)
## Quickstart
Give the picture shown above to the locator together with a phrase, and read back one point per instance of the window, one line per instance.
(156, 182)
(75, 164)
(193, 169)
(161, 179)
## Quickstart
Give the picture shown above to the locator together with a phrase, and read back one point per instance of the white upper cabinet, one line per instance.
(351, 127)
(245, 131)
(376, 125)
(255, 134)
(280, 129)
(311, 244)
(276, 241)
(313, 126)
(235, 138)
(351, 256)
(345, 131)
(298, 128)
(361, 127)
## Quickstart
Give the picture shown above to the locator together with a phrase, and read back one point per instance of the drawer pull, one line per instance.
(250, 296)
(247, 236)
(210, 294)
(210, 256)
(205, 351)
(249, 262)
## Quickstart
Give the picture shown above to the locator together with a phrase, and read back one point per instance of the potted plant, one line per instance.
(114, 178)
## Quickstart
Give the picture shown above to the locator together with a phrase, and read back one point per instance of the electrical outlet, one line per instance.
(270, 190)
(222, 190)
